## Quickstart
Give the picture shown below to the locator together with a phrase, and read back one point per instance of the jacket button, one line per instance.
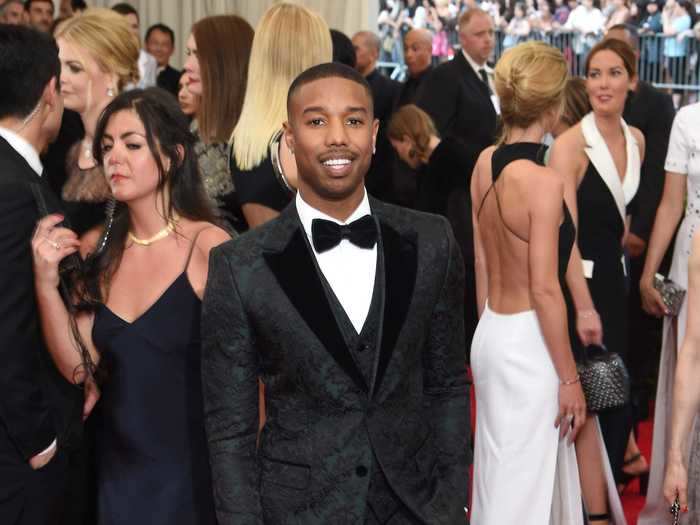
(361, 471)
(362, 348)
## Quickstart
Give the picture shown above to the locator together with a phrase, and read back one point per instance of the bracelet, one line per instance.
(586, 314)
(570, 381)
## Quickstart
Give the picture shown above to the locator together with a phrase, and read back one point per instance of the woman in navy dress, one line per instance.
(137, 316)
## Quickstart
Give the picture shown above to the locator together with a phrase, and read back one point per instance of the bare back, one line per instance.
(505, 211)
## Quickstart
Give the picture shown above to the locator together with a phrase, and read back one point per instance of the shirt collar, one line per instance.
(307, 213)
(24, 148)
(476, 67)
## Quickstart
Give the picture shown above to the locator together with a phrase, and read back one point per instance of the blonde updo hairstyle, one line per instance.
(105, 35)
(530, 79)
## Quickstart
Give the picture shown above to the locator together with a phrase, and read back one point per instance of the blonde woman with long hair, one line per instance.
(528, 393)
(288, 40)
(99, 58)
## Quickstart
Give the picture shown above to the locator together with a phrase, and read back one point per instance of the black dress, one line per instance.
(152, 455)
(600, 232)
(264, 184)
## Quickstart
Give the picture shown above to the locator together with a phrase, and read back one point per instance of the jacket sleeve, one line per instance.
(446, 384)
(438, 98)
(24, 410)
(653, 175)
(230, 389)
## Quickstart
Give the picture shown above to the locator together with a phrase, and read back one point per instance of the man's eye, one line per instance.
(316, 122)
(355, 121)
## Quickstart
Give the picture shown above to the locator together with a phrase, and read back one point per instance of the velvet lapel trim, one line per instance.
(400, 266)
(296, 273)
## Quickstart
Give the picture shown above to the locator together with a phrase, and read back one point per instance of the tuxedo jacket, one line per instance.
(169, 79)
(459, 103)
(651, 111)
(266, 315)
(36, 404)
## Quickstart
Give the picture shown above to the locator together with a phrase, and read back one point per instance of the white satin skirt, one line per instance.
(523, 473)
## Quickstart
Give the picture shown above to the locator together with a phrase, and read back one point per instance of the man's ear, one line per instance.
(288, 136)
(375, 129)
(51, 93)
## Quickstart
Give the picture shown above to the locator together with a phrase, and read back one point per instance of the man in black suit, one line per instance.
(459, 94)
(384, 92)
(651, 111)
(418, 54)
(38, 409)
(160, 42)
(350, 311)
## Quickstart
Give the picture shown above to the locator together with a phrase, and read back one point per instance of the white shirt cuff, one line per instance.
(50, 448)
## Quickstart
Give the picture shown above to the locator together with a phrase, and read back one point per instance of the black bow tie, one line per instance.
(328, 234)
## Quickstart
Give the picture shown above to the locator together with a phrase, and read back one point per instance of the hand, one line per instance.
(676, 484)
(572, 411)
(635, 245)
(50, 245)
(91, 395)
(41, 460)
(652, 302)
(589, 328)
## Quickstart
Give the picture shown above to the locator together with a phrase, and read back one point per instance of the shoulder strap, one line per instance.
(192, 245)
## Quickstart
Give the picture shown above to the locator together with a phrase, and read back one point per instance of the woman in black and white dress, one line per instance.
(600, 159)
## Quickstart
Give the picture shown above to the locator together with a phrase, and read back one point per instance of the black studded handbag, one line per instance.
(671, 293)
(604, 378)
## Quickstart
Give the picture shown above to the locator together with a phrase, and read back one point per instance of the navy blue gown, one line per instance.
(152, 457)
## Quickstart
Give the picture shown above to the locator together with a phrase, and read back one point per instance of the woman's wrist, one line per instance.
(571, 380)
(586, 313)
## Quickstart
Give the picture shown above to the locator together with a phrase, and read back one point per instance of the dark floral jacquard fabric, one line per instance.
(266, 315)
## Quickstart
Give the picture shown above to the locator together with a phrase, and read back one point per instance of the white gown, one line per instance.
(523, 473)
(683, 157)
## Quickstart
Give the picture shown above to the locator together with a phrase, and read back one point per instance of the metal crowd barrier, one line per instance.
(665, 62)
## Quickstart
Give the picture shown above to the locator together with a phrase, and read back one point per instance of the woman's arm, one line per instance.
(480, 269)
(686, 387)
(545, 198)
(571, 166)
(50, 245)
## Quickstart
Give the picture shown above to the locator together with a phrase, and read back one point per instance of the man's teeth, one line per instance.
(336, 162)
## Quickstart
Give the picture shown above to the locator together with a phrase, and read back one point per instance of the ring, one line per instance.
(570, 418)
(53, 243)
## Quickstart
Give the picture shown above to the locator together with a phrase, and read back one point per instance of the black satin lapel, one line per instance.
(400, 265)
(296, 273)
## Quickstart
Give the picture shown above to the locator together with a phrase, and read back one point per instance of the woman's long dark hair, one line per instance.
(183, 195)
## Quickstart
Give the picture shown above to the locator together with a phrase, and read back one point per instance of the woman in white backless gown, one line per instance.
(527, 390)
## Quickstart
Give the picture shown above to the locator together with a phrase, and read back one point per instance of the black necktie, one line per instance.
(328, 234)
(485, 79)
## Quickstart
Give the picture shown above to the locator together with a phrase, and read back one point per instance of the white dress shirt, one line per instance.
(28, 153)
(24, 148)
(489, 74)
(349, 269)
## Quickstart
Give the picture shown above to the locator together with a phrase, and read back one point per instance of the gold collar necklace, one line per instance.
(162, 234)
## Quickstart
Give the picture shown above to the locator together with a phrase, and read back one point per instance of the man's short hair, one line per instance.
(329, 70)
(631, 30)
(28, 61)
(343, 51)
(125, 9)
(469, 14)
(3, 7)
(163, 29)
(28, 4)
(371, 39)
